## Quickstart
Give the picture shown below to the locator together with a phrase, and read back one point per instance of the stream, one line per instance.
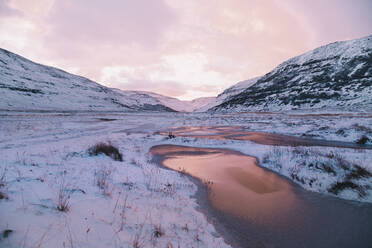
(254, 207)
(239, 133)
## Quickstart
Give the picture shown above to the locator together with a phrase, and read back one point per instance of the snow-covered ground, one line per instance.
(44, 159)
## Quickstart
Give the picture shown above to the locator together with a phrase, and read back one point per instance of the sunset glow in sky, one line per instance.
(184, 49)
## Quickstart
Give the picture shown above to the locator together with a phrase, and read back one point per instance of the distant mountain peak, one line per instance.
(181, 105)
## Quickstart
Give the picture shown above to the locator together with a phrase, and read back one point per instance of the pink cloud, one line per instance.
(174, 46)
(6, 10)
(111, 23)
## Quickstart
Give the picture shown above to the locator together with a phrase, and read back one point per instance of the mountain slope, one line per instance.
(25, 85)
(179, 105)
(336, 76)
(200, 103)
(143, 99)
(229, 93)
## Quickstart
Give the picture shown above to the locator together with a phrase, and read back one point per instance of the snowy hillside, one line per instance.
(25, 85)
(179, 105)
(143, 99)
(228, 93)
(337, 76)
(201, 102)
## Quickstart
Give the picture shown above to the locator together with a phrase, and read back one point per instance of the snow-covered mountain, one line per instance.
(337, 76)
(228, 93)
(199, 103)
(179, 105)
(25, 85)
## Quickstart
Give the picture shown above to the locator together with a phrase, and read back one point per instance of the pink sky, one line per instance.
(185, 49)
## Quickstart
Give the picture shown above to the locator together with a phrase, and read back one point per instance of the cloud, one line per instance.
(34, 9)
(6, 10)
(181, 48)
(184, 74)
(246, 36)
(134, 78)
(111, 23)
(91, 34)
(332, 20)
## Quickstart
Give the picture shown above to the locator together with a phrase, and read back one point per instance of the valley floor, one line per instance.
(44, 161)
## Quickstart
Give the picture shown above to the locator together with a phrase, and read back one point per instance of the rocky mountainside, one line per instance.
(25, 85)
(337, 76)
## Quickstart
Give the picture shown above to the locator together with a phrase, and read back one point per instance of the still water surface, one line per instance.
(240, 133)
(260, 208)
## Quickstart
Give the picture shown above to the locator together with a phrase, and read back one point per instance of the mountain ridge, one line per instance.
(333, 76)
(181, 105)
(27, 85)
(337, 76)
(228, 93)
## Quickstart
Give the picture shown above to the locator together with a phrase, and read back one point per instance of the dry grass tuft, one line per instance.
(107, 149)
(139, 240)
(362, 140)
(3, 183)
(3, 196)
(3, 177)
(358, 172)
(102, 178)
(63, 201)
(171, 135)
(340, 186)
(6, 233)
(158, 231)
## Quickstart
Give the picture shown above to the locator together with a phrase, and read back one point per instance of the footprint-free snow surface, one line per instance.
(43, 154)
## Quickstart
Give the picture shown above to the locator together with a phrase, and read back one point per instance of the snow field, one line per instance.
(134, 203)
